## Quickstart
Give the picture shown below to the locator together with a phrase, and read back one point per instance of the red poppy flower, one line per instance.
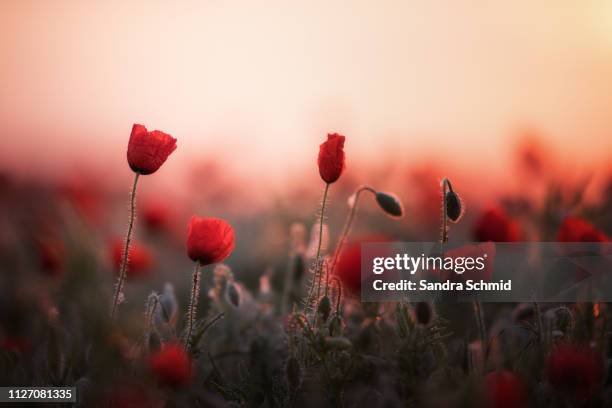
(575, 229)
(140, 258)
(502, 389)
(348, 268)
(495, 225)
(171, 366)
(574, 369)
(147, 151)
(209, 240)
(331, 158)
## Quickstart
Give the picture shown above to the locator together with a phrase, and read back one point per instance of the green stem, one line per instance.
(152, 302)
(320, 264)
(193, 306)
(346, 230)
(126, 249)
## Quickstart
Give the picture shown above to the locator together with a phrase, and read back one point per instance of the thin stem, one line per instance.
(126, 249)
(193, 306)
(445, 185)
(320, 269)
(151, 305)
(212, 322)
(346, 230)
(339, 298)
(480, 323)
(539, 323)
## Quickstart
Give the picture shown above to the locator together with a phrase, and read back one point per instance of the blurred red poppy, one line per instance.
(575, 229)
(495, 225)
(147, 151)
(50, 256)
(155, 215)
(331, 158)
(348, 268)
(503, 389)
(16, 344)
(209, 240)
(140, 258)
(575, 369)
(84, 195)
(171, 366)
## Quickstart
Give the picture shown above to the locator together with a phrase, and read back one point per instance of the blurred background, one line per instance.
(256, 86)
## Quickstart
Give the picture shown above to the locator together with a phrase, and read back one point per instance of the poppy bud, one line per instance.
(209, 240)
(331, 158)
(390, 204)
(167, 311)
(171, 366)
(147, 151)
(423, 313)
(324, 308)
(294, 373)
(453, 205)
(232, 295)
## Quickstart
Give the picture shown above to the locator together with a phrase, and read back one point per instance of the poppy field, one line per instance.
(209, 308)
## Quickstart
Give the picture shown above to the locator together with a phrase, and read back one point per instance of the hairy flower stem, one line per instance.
(445, 187)
(150, 307)
(539, 322)
(480, 324)
(126, 249)
(320, 268)
(339, 297)
(346, 230)
(193, 306)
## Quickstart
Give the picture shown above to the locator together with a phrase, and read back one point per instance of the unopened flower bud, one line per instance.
(453, 206)
(390, 204)
(324, 308)
(232, 295)
(167, 310)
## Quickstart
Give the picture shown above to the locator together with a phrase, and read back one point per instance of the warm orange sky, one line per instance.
(261, 82)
